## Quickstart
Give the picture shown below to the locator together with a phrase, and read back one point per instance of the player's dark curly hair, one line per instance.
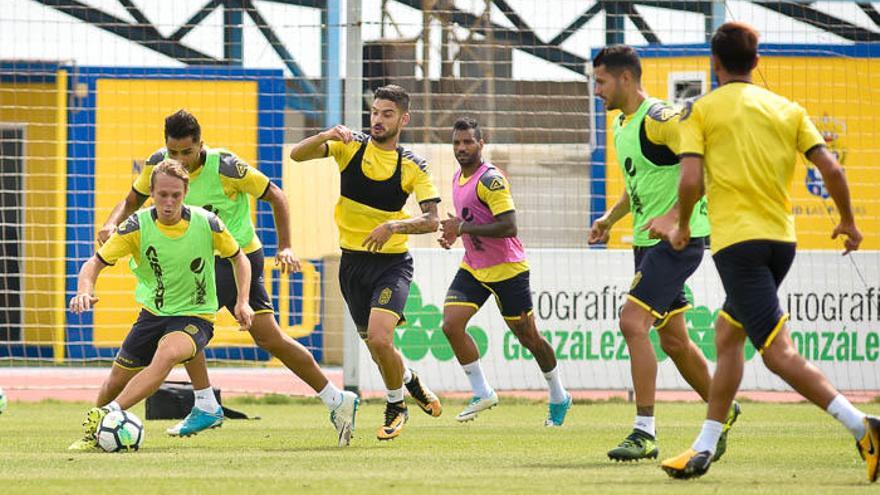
(395, 93)
(465, 123)
(617, 58)
(181, 124)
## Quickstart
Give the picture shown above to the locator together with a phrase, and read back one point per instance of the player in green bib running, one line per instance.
(222, 183)
(646, 141)
(172, 250)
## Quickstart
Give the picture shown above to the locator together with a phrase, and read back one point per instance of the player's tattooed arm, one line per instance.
(427, 222)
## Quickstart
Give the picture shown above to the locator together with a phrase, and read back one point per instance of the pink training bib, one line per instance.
(482, 252)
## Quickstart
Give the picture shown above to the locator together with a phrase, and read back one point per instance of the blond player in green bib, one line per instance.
(172, 250)
(646, 141)
(224, 184)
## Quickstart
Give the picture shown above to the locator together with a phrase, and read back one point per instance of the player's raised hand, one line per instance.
(600, 231)
(378, 237)
(450, 229)
(244, 315)
(338, 133)
(105, 233)
(852, 236)
(81, 303)
(287, 261)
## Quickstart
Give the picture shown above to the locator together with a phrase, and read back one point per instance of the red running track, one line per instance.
(81, 384)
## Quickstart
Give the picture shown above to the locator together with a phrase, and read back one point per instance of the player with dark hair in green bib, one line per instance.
(646, 142)
(222, 183)
(172, 252)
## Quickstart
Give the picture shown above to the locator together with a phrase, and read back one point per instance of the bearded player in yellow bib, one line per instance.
(222, 183)
(377, 175)
(746, 139)
(646, 142)
(172, 255)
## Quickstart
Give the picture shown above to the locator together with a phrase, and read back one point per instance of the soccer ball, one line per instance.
(3, 402)
(120, 431)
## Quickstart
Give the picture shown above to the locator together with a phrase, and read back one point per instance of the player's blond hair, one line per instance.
(171, 168)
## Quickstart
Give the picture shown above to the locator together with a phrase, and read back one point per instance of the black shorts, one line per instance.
(141, 342)
(227, 292)
(513, 295)
(661, 272)
(751, 272)
(375, 281)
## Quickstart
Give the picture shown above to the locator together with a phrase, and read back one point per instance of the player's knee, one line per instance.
(673, 345)
(633, 322)
(728, 338)
(526, 333)
(266, 333)
(167, 358)
(379, 341)
(773, 362)
(270, 342)
(452, 329)
(174, 349)
(114, 383)
(632, 328)
(779, 355)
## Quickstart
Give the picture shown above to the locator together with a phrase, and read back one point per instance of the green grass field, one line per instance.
(773, 449)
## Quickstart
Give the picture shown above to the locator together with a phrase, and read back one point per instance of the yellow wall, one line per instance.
(843, 97)
(130, 117)
(312, 189)
(34, 106)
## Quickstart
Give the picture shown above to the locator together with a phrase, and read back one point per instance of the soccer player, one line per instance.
(172, 249)
(746, 138)
(223, 183)
(375, 272)
(646, 141)
(494, 264)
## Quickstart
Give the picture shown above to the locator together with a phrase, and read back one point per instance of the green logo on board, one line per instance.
(423, 333)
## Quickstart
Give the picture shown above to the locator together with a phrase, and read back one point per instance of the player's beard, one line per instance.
(469, 160)
(388, 135)
(610, 104)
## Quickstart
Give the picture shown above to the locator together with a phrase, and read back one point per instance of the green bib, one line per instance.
(206, 191)
(176, 276)
(652, 188)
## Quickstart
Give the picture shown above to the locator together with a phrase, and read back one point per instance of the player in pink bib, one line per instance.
(494, 264)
